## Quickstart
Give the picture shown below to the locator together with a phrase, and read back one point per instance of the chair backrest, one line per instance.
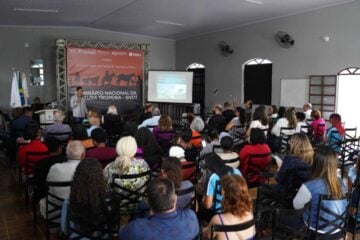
(162, 138)
(216, 206)
(283, 230)
(230, 161)
(53, 206)
(304, 129)
(59, 134)
(31, 158)
(329, 221)
(129, 198)
(350, 132)
(190, 170)
(231, 228)
(285, 134)
(217, 149)
(188, 191)
(102, 231)
(255, 167)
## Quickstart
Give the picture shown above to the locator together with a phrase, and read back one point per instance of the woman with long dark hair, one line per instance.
(237, 209)
(149, 148)
(87, 209)
(217, 169)
(260, 120)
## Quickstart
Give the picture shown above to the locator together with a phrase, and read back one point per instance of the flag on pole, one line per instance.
(21, 90)
(25, 90)
(15, 95)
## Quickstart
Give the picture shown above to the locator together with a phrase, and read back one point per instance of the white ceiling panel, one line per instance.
(189, 17)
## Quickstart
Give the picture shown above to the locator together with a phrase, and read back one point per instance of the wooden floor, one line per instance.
(16, 221)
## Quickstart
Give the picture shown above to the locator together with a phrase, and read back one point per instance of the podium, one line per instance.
(46, 117)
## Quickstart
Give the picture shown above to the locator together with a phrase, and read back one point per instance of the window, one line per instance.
(257, 61)
(347, 92)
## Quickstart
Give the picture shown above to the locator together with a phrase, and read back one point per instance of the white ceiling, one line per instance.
(139, 16)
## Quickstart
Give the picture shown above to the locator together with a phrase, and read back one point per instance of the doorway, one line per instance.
(258, 81)
(347, 95)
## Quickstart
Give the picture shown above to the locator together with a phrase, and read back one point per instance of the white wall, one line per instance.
(42, 45)
(309, 56)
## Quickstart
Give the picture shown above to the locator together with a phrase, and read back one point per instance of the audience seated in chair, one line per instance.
(171, 169)
(317, 127)
(260, 120)
(41, 168)
(188, 168)
(228, 112)
(217, 121)
(101, 152)
(307, 110)
(31, 133)
(165, 221)
(301, 123)
(197, 125)
(148, 148)
(18, 125)
(324, 181)
(214, 138)
(227, 144)
(164, 134)
(257, 146)
(147, 114)
(153, 121)
(336, 134)
(126, 164)
(94, 121)
(237, 209)
(295, 168)
(184, 141)
(289, 121)
(64, 172)
(59, 127)
(216, 170)
(87, 212)
(79, 133)
(239, 120)
(112, 121)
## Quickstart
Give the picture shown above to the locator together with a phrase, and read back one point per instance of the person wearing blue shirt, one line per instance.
(324, 181)
(165, 221)
(335, 135)
(218, 168)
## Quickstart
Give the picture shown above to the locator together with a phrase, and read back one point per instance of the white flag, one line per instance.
(25, 89)
(15, 94)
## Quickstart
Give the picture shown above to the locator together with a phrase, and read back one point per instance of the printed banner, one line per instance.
(108, 76)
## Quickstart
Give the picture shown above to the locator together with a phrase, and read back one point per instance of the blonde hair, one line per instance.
(301, 147)
(125, 148)
(291, 117)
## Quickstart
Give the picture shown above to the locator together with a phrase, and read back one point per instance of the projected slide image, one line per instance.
(171, 87)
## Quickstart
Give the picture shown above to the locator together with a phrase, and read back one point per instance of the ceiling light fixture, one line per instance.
(254, 1)
(170, 23)
(36, 10)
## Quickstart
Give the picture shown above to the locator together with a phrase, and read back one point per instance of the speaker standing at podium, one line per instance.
(78, 105)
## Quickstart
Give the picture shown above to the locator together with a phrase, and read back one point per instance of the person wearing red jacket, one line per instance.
(257, 146)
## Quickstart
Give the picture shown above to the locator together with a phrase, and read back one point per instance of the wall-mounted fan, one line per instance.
(225, 49)
(284, 39)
